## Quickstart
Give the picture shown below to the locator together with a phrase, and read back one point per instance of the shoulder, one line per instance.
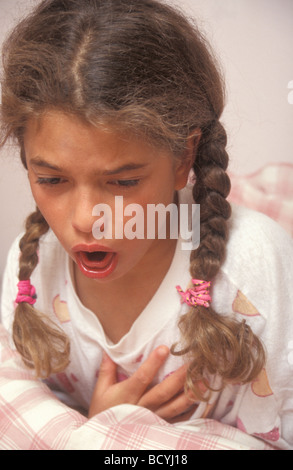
(254, 225)
(259, 259)
(253, 235)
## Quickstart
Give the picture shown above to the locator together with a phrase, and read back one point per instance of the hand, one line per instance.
(166, 399)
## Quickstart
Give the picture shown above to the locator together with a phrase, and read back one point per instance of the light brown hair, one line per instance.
(141, 65)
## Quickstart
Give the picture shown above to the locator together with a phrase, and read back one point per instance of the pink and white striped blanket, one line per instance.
(32, 418)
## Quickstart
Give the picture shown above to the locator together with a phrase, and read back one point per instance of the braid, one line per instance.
(214, 343)
(210, 191)
(41, 345)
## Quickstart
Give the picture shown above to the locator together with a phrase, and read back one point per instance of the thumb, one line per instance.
(107, 374)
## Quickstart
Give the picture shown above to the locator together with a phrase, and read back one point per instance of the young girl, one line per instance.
(111, 99)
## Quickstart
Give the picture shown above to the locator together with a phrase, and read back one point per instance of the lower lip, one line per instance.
(96, 270)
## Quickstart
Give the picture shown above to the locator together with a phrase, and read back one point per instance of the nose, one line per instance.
(82, 219)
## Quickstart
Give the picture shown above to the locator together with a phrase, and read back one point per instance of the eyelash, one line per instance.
(125, 183)
(49, 181)
(56, 181)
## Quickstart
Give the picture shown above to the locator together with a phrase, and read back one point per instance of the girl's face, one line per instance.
(73, 167)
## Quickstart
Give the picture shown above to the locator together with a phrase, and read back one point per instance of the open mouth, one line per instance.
(97, 264)
(96, 257)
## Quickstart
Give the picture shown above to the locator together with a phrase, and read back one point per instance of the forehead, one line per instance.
(66, 129)
(59, 137)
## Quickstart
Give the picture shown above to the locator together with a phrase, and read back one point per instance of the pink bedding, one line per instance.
(32, 418)
(269, 190)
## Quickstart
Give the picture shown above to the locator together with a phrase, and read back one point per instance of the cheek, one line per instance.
(37, 190)
(161, 190)
(51, 211)
(40, 198)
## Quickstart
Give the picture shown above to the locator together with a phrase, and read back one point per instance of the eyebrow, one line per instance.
(126, 167)
(41, 163)
(38, 161)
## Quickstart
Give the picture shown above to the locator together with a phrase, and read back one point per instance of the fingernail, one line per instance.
(163, 351)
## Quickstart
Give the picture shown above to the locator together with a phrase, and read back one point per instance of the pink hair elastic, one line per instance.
(26, 293)
(197, 295)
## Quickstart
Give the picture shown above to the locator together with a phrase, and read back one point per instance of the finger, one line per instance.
(164, 391)
(177, 408)
(143, 377)
(107, 374)
(183, 417)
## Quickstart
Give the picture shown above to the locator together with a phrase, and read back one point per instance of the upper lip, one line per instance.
(90, 248)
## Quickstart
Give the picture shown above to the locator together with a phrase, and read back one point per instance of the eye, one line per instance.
(49, 181)
(125, 183)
